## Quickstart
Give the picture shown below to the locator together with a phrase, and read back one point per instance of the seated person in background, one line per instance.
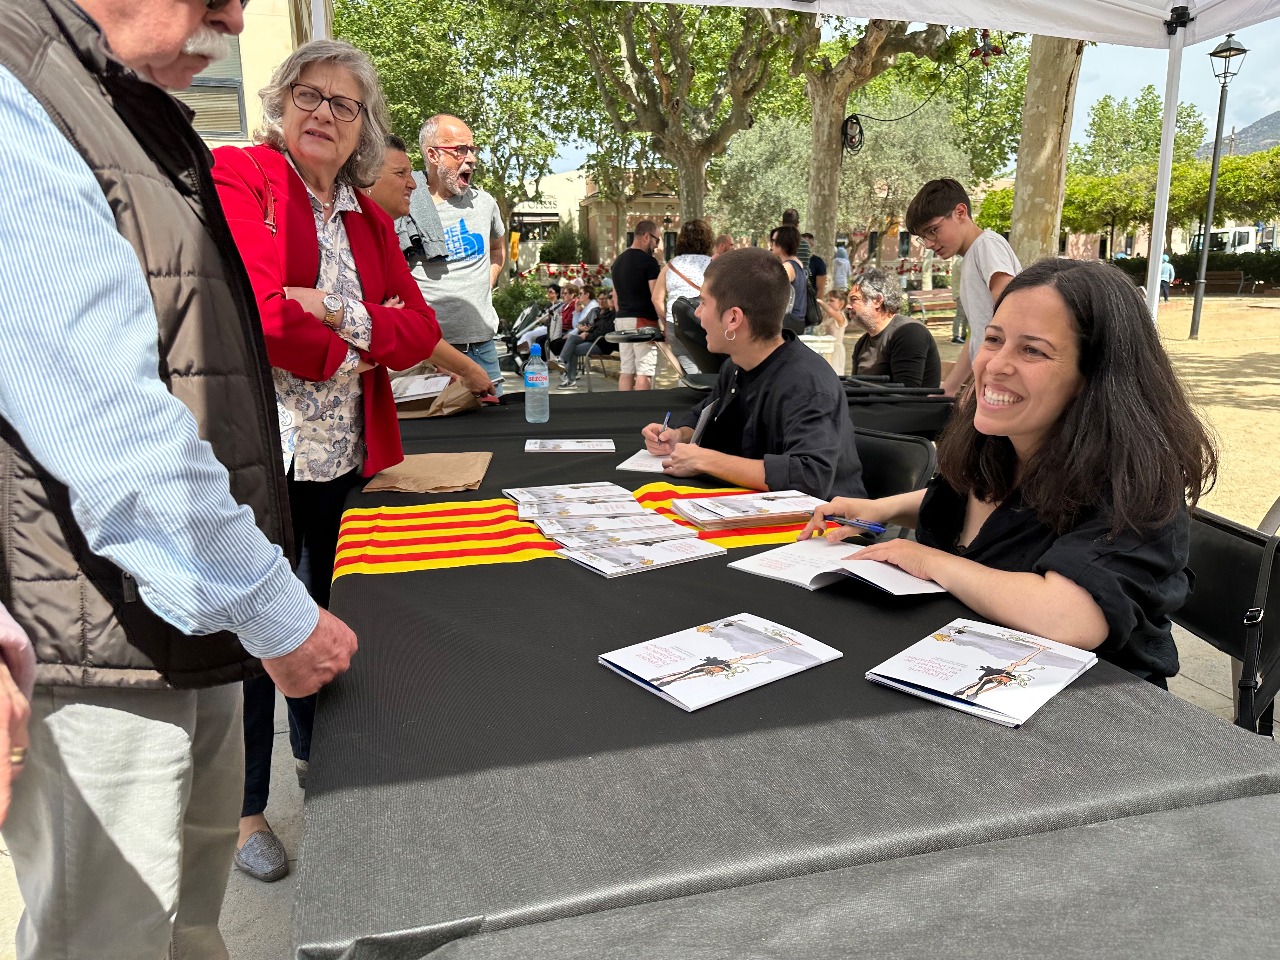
(538, 331)
(778, 420)
(586, 309)
(1060, 507)
(835, 321)
(900, 348)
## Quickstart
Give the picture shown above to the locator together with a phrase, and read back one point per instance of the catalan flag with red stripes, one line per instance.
(471, 532)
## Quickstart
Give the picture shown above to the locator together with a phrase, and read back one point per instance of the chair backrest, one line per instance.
(893, 463)
(692, 337)
(1225, 560)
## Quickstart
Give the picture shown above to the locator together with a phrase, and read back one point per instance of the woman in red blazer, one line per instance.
(338, 307)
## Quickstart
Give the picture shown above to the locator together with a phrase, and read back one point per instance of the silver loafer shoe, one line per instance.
(263, 857)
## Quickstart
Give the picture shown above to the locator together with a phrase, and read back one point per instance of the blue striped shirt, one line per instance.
(79, 383)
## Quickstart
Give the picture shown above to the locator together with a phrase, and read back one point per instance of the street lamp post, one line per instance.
(1228, 58)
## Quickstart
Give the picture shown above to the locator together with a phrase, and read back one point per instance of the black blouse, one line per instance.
(1137, 580)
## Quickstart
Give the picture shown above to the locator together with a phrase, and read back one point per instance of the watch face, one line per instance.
(332, 303)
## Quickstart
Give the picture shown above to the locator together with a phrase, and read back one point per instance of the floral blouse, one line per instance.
(322, 423)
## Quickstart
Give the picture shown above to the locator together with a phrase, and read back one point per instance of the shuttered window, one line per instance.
(217, 97)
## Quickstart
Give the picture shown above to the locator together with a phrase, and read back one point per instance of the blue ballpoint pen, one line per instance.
(860, 524)
(666, 422)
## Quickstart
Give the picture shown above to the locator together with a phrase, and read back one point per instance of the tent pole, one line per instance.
(1176, 27)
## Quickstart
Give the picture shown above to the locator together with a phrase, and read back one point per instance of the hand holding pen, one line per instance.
(660, 439)
(849, 516)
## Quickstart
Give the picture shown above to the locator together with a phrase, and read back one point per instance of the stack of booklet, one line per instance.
(647, 527)
(992, 672)
(713, 661)
(604, 528)
(573, 500)
(773, 508)
(419, 387)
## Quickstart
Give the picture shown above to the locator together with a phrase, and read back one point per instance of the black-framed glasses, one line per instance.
(216, 5)
(309, 98)
(459, 150)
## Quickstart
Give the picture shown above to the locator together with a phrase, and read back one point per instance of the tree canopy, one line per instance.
(1124, 134)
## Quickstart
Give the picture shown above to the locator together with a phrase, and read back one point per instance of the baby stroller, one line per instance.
(509, 335)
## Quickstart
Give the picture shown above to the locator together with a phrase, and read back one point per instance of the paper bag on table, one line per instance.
(455, 398)
(433, 473)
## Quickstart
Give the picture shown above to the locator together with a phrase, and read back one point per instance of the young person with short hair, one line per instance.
(779, 418)
(942, 217)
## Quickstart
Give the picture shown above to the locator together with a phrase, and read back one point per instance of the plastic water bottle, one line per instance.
(537, 388)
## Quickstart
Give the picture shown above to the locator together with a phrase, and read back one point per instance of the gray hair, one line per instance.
(875, 283)
(365, 165)
(429, 132)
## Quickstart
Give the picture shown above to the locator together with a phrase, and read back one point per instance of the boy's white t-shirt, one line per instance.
(988, 255)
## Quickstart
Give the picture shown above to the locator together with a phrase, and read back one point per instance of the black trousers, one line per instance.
(316, 510)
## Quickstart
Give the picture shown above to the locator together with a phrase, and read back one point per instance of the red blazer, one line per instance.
(296, 340)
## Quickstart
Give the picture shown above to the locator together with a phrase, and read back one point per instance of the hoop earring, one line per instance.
(731, 335)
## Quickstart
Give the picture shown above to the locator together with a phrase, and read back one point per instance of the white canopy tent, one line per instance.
(1135, 23)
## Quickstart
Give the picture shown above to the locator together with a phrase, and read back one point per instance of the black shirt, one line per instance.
(632, 272)
(790, 412)
(817, 267)
(1137, 580)
(904, 351)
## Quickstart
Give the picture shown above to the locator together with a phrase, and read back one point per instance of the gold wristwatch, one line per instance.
(332, 310)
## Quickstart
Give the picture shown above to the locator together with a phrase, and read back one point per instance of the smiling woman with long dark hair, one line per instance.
(1066, 475)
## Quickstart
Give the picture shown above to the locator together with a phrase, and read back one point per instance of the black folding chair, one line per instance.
(1233, 573)
(893, 463)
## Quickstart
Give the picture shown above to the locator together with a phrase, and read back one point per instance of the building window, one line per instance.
(217, 96)
(904, 244)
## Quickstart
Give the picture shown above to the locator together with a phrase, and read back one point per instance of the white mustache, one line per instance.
(207, 42)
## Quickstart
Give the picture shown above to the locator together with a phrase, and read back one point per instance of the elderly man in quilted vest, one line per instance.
(143, 521)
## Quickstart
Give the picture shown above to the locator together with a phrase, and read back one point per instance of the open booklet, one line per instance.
(714, 661)
(568, 446)
(993, 672)
(814, 564)
(643, 462)
(771, 508)
(616, 561)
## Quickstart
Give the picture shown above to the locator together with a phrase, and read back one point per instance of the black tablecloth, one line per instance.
(478, 770)
(1179, 885)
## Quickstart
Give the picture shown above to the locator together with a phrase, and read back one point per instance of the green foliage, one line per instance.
(764, 171)
(1256, 266)
(510, 298)
(995, 211)
(564, 245)
(459, 59)
(986, 102)
(1124, 134)
(877, 183)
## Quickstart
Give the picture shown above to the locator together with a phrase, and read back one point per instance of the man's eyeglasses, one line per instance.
(216, 5)
(930, 233)
(459, 150)
(309, 98)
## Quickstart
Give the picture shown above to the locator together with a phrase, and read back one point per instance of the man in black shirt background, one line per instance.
(901, 348)
(634, 274)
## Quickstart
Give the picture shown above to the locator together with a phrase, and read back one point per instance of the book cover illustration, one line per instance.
(589, 525)
(570, 509)
(1002, 674)
(712, 661)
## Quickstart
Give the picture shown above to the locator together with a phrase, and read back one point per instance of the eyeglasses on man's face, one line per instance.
(459, 150)
(309, 98)
(215, 5)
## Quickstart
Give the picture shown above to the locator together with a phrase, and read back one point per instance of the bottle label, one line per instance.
(536, 379)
